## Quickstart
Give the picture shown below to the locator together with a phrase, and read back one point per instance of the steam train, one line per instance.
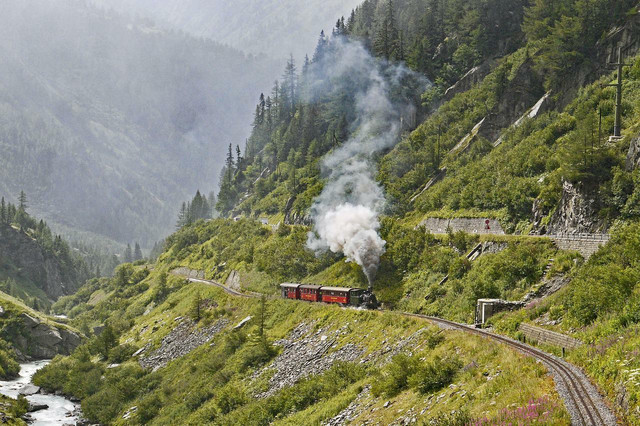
(339, 295)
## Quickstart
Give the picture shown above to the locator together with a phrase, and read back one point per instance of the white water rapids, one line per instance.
(61, 411)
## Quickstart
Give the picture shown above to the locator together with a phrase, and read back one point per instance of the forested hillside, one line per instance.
(533, 47)
(108, 123)
(36, 266)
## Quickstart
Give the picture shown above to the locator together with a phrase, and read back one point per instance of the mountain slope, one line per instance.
(108, 124)
(275, 28)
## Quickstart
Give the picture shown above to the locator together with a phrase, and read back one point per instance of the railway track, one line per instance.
(583, 401)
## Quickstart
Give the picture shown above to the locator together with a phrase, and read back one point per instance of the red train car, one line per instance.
(310, 292)
(335, 295)
(290, 290)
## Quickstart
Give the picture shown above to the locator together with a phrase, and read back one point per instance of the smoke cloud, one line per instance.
(346, 213)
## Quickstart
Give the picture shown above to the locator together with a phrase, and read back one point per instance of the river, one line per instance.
(61, 411)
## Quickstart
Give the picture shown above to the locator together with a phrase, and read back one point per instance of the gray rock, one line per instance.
(577, 211)
(633, 155)
(29, 389)
(37, 407)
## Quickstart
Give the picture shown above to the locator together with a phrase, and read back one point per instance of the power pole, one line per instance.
(617, 127)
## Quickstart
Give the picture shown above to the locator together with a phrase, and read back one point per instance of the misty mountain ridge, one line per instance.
(107, 124)
(275, 28)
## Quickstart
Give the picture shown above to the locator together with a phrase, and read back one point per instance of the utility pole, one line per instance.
(617, 127)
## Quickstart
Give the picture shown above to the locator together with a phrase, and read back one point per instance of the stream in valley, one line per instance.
(61, 411)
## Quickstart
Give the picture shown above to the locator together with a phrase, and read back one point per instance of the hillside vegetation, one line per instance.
(395, 365)
(553, 171)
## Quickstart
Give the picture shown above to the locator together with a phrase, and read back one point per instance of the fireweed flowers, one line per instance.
(538, 410)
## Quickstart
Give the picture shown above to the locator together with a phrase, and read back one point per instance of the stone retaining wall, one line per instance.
(542, 335)
(585, 247)
(469, 225)
(189, 273)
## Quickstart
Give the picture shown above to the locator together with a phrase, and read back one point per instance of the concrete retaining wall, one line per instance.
(542, 335)
(189, 273)
(471, 226)
(585, 247)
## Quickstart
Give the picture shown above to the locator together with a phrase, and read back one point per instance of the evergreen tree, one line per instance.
(386, 40)
(137, 255)
(229, 164)
(22, 200)
(321, 47)
(128, 255)
(3, 212)
(289, 88)
(182, 216)
(196, 308)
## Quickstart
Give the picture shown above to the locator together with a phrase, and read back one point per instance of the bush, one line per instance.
(395, 376)
(434, 375)
(121, 353)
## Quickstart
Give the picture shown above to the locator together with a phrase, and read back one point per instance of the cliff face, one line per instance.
(23, 259)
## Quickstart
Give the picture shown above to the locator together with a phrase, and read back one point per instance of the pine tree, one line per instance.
(229, 164)
(238, 157)
(196, 313)
(137, 254)
(321, 48)
(289, 87)
(386, 40)
(3, 212)
(182, 216)
(128, 255)
(22, 200)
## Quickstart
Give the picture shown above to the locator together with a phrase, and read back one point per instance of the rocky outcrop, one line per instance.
(633, 155)
(474, 76)
(233, 281)
(293, 217)
(30, 262)
(183, 339)
(577, 212)
(34, 339)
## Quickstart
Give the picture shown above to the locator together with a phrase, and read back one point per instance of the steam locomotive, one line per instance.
(339, 295)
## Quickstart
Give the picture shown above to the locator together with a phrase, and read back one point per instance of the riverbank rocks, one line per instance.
(33, 338)
(29, 389)
(184, 338)
(306, 353)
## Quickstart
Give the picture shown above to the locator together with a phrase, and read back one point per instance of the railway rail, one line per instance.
(583, 401)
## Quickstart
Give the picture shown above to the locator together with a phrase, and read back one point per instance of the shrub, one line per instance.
(395, 376)
(434, 375)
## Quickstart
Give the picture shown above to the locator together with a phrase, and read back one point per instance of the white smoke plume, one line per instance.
(346, 213)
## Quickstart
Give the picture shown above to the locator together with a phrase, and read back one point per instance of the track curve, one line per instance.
(583, 401)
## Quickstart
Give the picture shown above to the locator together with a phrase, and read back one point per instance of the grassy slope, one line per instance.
(169, 395)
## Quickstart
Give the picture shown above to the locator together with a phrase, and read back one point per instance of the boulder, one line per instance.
(37, 407)
(29, 389)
